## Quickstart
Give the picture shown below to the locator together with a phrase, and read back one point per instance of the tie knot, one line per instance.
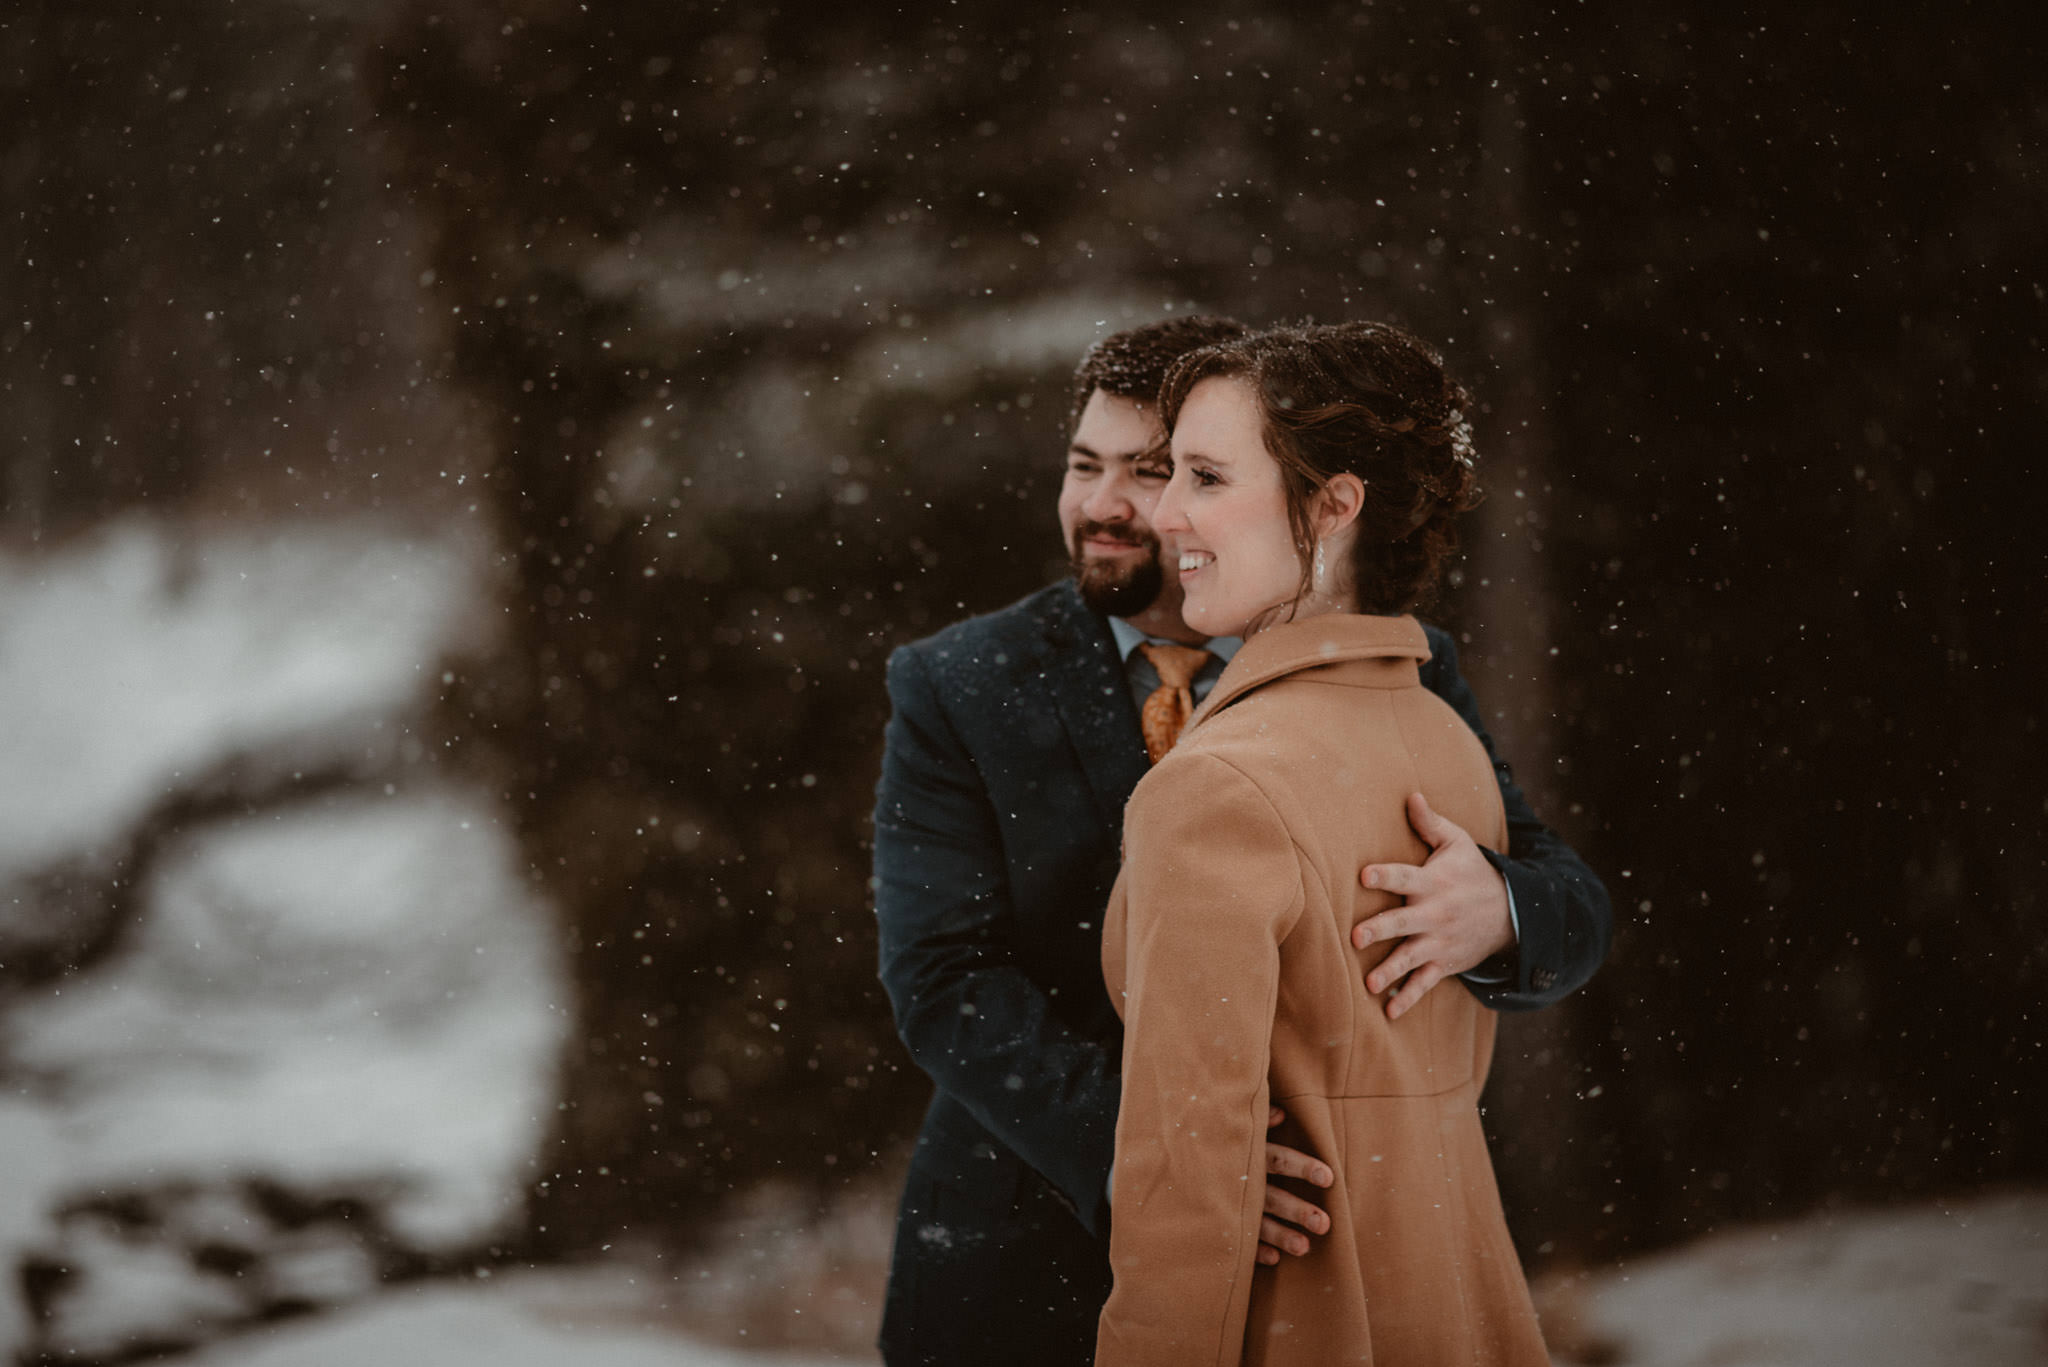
(1177, 665)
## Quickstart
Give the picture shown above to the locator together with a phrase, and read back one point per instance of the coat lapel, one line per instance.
(1093, 695)
(1316, 643)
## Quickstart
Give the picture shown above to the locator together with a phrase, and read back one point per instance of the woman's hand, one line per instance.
(1287, 1215)
(1456, 916)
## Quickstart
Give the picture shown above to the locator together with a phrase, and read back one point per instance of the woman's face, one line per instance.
(1226, 510)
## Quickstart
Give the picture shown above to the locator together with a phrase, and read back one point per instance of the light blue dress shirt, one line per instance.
(1144, 678)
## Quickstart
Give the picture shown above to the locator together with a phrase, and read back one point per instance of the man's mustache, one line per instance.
(1115, 531)
(1116, 586)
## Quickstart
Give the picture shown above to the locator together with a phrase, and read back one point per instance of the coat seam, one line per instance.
(1226, 1352)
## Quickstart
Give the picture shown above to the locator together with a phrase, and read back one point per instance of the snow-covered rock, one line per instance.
(144, 655)
(133, 1294)
(314, 1044)
(351, 993)
(33, 1150)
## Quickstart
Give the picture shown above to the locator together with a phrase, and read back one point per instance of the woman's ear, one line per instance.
(1337, 504)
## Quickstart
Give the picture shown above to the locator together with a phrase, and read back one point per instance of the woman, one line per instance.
(1317, 475)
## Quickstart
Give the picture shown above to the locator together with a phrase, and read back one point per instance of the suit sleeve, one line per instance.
(1560, 904)
(980, 1027)
(1211, 886)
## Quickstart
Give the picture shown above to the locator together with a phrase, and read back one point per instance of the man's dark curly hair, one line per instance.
(1132, 364)
(1369, 399)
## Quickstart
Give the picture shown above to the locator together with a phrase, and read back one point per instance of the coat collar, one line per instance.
(1086, 674)
(1316, 643)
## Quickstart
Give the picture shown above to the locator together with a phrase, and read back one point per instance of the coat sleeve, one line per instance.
(977, 1024)
(1561, 906)
(1211, 886)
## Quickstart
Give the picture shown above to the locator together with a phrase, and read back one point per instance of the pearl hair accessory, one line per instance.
(1462, 448)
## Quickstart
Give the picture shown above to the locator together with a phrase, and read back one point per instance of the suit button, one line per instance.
(1542, 979)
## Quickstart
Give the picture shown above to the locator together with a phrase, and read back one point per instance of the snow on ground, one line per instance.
(1960, 1284)
(1957, 1283)
(589, 1318)
(776, 1270)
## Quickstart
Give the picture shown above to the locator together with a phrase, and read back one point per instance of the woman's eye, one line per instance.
(1205, 478)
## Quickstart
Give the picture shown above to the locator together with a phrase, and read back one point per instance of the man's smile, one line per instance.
(1111, 545)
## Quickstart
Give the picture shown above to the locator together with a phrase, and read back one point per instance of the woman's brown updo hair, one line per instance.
(1368, 399)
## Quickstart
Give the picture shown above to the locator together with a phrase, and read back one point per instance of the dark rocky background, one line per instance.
(743, 332)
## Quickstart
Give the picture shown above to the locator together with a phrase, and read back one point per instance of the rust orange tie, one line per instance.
(1167, 710)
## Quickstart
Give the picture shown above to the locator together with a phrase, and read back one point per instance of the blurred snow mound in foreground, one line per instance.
(1961, 1283)
(350, 993)
(281, 1017)
(34, 1154)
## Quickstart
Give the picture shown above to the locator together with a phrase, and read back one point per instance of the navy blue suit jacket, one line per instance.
(1012, 747)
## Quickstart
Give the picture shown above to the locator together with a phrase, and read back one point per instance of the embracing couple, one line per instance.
(1196, 879)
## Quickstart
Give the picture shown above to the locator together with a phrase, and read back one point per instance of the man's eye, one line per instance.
(1155, 472)
(1082, 467)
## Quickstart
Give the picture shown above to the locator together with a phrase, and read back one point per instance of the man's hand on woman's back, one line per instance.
(1454, 919)
(1289, 1220)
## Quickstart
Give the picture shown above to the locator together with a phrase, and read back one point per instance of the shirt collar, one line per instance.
(1129, 638)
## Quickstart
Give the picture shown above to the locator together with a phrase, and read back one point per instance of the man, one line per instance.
(1014, 741)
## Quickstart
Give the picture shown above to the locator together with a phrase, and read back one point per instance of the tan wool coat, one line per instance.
(1227, 951)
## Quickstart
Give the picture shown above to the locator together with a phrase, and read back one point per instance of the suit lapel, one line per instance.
(1093, 695)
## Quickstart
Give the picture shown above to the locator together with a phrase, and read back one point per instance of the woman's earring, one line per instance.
(1318, 581)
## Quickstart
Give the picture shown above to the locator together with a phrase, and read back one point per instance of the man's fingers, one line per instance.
(1403, 880)
(1276, 1238)
(1390, 924)
(1410, 954)
(1282, 1204)
(1282, 1161)
(1418, 985)
(1437, 830)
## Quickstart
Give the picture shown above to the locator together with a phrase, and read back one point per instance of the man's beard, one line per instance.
(1118, 589)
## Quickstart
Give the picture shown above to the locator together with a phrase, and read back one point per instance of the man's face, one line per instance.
(1116, 468)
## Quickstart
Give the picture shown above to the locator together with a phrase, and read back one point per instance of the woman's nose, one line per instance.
(1169, 515)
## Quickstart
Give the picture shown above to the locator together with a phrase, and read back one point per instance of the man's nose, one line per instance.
(1109, 500)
